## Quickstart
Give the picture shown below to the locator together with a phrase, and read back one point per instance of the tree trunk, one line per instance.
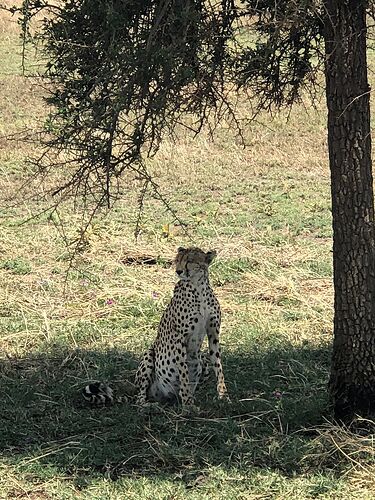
(352, 382)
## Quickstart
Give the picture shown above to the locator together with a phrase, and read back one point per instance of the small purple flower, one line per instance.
(110, 302)
(155, 295)
(277, 394)
(44, 283)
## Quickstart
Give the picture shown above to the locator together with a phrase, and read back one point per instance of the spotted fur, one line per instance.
(173, 366)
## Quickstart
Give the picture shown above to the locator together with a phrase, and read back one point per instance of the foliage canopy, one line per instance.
(124, 73)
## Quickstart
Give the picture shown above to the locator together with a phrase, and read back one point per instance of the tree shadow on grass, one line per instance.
(276, 394)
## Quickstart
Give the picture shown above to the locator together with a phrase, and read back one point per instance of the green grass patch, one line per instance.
(16, 266)
(224, 272)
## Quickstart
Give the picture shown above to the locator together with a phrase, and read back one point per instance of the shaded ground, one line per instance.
(276, 395)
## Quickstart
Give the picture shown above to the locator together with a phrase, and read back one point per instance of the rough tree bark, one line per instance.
(352, 382)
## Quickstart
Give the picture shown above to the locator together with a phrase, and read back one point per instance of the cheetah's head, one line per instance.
(192, 263)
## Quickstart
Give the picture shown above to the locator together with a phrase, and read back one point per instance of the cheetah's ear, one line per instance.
(181, 250)
(210, 256)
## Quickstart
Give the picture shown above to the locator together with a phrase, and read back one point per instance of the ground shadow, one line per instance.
(276, 394)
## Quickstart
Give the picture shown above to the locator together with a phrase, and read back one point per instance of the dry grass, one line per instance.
(8, 23)
(337, 445)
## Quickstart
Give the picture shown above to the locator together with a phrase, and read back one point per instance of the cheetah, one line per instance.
(174, 365)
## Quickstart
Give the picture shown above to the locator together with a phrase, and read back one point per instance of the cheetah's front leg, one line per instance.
(214, 346)
(183, 374)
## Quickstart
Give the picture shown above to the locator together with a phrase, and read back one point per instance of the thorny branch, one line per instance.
(123, 75)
